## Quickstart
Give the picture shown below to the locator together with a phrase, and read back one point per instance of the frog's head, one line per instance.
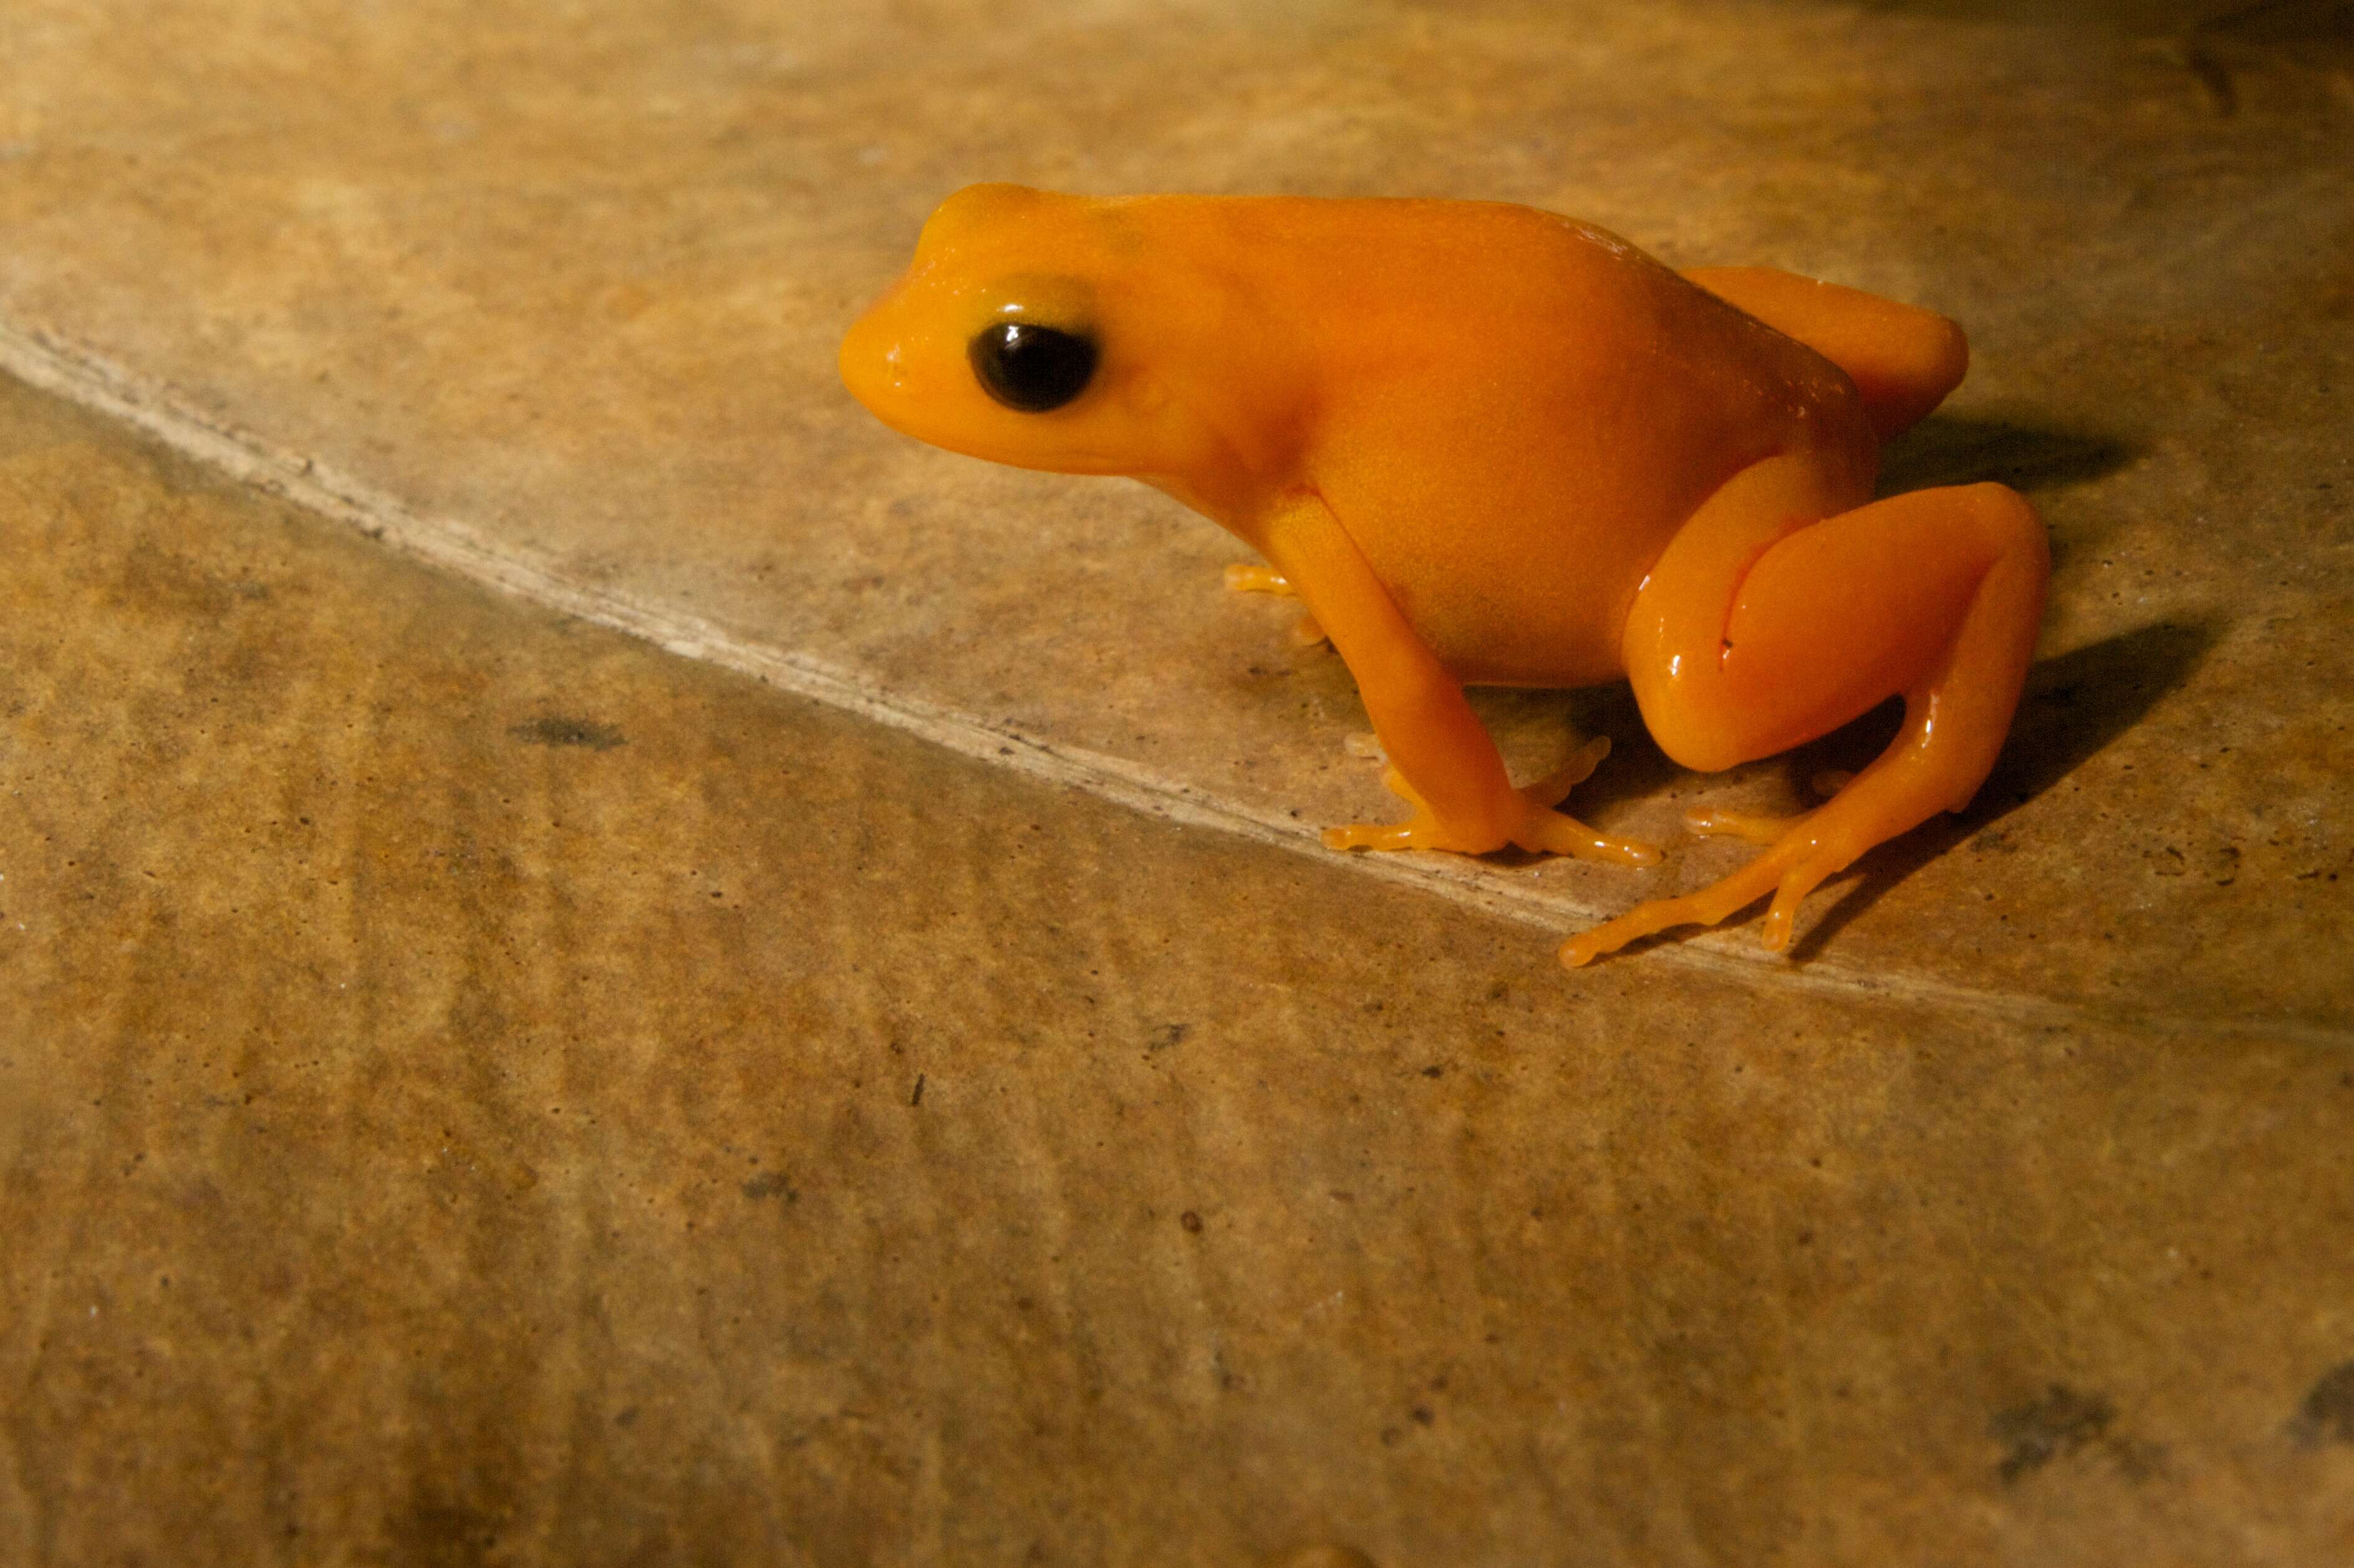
(1046, 332)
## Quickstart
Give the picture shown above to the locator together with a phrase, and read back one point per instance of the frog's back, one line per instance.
(1514, 411)
(1392, 287)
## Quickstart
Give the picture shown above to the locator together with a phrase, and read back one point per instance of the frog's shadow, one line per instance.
(1952, 449)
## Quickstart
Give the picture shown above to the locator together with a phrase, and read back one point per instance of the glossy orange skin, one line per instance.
(1489, 445)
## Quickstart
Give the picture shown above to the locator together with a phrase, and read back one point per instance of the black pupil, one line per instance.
(1032, 367)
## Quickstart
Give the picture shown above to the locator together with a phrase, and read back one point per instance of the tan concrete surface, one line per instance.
(475, 1089)
(554, 290)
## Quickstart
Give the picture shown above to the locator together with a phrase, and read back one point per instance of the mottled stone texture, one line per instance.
(565, 283)
(477, 1089)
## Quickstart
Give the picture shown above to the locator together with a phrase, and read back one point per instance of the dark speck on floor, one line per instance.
(771, 1184)
(557, 730)
(2034, 1433)
(2328, 1414)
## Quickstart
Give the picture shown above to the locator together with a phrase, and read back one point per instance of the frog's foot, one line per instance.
(1244, 578)
(1421, 830)
(1539, 827)
(1773, 872)
(1548, 831)
(1812, 847)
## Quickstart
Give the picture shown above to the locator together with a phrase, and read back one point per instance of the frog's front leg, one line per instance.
(1758, 630)
(1447, 767)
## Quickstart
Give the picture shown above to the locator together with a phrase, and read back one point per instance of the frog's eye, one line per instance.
(1031, 367)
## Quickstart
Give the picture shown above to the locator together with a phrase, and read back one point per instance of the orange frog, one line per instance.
(1487, 445)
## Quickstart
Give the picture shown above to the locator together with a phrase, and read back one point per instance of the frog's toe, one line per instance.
(1552, 833)
(1371, 836)
(1423, 831)
(1547, 830)
(1621, 851)
(1249, 576)
(1710, 905)
(1554, 787)
(1710, 822)
(1245, 576)
(1791, 891)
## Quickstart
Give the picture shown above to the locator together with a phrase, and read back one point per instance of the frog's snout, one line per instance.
(873, 362)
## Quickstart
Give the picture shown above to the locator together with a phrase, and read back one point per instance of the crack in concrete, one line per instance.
(81, 377)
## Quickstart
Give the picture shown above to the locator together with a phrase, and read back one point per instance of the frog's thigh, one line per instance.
(1729, 664)
(1903, 359)
(1935, 595)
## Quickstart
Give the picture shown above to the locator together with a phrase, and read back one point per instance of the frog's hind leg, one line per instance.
(1903, 359)
(1738, 653)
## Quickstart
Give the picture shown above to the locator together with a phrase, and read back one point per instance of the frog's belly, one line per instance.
(1518, 634)
(1553, 618)
(1525, 577)
(1525, 580)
